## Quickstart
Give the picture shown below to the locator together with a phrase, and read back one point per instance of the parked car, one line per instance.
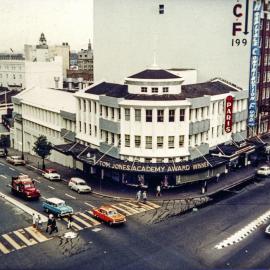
(79, 185)
(263, 171)
(57, 207)
(109, 215)
(15, 160)
(51, 174)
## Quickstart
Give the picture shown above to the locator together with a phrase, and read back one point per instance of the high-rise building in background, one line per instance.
(43, 52)
(214, 37)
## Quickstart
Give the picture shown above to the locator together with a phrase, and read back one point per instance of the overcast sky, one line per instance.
(22, 21)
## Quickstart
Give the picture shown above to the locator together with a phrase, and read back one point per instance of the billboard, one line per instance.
(228, 114)
(254, 63)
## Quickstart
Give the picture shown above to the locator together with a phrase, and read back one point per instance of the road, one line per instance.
(195, 240)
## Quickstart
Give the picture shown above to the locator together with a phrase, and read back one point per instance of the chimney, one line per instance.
(56, 80)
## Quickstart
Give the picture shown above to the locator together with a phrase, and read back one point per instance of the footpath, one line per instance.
(109, 188)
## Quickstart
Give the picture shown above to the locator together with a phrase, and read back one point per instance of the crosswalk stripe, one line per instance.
(28, 242)
(121, 210)
(3, 249)
(129, 208)
(145, 206)
(12, 242)
(91, 219)
(82, 221)
(153, 204)
(137, 207)
(73, 224)
(36, 234)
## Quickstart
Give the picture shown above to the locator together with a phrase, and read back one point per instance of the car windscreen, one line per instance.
(29, 186)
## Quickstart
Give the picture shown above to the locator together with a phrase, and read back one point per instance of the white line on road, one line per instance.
(37, 180)
(3, 176)
(11, 169)
(96, 230)
(51, 187)
(89, 205)
(70, 196)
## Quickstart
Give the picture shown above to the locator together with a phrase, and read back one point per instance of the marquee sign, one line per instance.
(151, 168)
(228, 114)
(254, 62)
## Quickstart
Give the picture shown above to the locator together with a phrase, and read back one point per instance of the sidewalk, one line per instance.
(109, 188)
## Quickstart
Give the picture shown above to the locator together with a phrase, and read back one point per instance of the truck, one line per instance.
(24, 186)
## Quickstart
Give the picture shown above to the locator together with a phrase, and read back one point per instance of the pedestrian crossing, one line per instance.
(84, 220)
(21, 238)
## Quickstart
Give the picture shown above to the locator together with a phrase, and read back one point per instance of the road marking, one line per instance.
(37, 180)
(12, 242)
(122, 210)
(128, 208)
(51, 187)
(11, 169)
(36, 234)
(96, 230)
(89, 205)
(73, 224)
(145, 206)
(4, 249)
(70, 196)
(3, 176)
(153, 204)
(244, 232)
(137, 207)
(90, 218)
(28, 242)
(82, 221)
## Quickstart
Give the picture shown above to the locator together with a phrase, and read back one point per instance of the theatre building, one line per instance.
(160, 126)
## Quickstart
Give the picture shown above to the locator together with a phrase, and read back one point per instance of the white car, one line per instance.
(16, 160)
(51, 174)
(79, 185)
(263, 171)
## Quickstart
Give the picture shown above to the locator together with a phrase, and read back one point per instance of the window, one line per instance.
(137, 115)
(95, 107)
(161, 9)
(119, 114)
(154, 90)
(106, 136)
(112, 113)
(148, 115)
(171, 115)
(90, 130)
(100, 110)
(160, 160)
(160, 115)
(95, 131)
(148, 142)
(127, 140)
(165, 89)
(137, 141)
(80, 126)
(84, 105)
(144, 89)
(148, 160)
(127, 114)
(106, 111)
(84, 128)
(171, 141)
(181, 140)
(159, 142)
(182, 115)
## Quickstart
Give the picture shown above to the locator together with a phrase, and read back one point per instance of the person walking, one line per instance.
(34, 220)
(158, 194)
(144, 195)
(70, 219)
(38, 222)
(49, 223)
(138, 196)
(53, 226)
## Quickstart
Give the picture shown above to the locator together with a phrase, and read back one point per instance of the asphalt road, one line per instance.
(180, 242)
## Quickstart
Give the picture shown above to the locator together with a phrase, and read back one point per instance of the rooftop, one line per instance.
(154, 74)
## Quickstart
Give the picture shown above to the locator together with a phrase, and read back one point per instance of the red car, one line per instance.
(109, 215)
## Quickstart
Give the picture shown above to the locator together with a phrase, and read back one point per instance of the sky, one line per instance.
(22, 22)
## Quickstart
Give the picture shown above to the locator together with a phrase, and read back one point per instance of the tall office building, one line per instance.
(214, 37)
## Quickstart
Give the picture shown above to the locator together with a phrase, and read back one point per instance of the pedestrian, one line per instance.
(34, 220)
(38, 222)
(70, 219)
(49, 223)
(158, 194)
(53, 226)
(144, 195)
(138, 195)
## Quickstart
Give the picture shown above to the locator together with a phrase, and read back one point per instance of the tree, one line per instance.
(42, 148)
